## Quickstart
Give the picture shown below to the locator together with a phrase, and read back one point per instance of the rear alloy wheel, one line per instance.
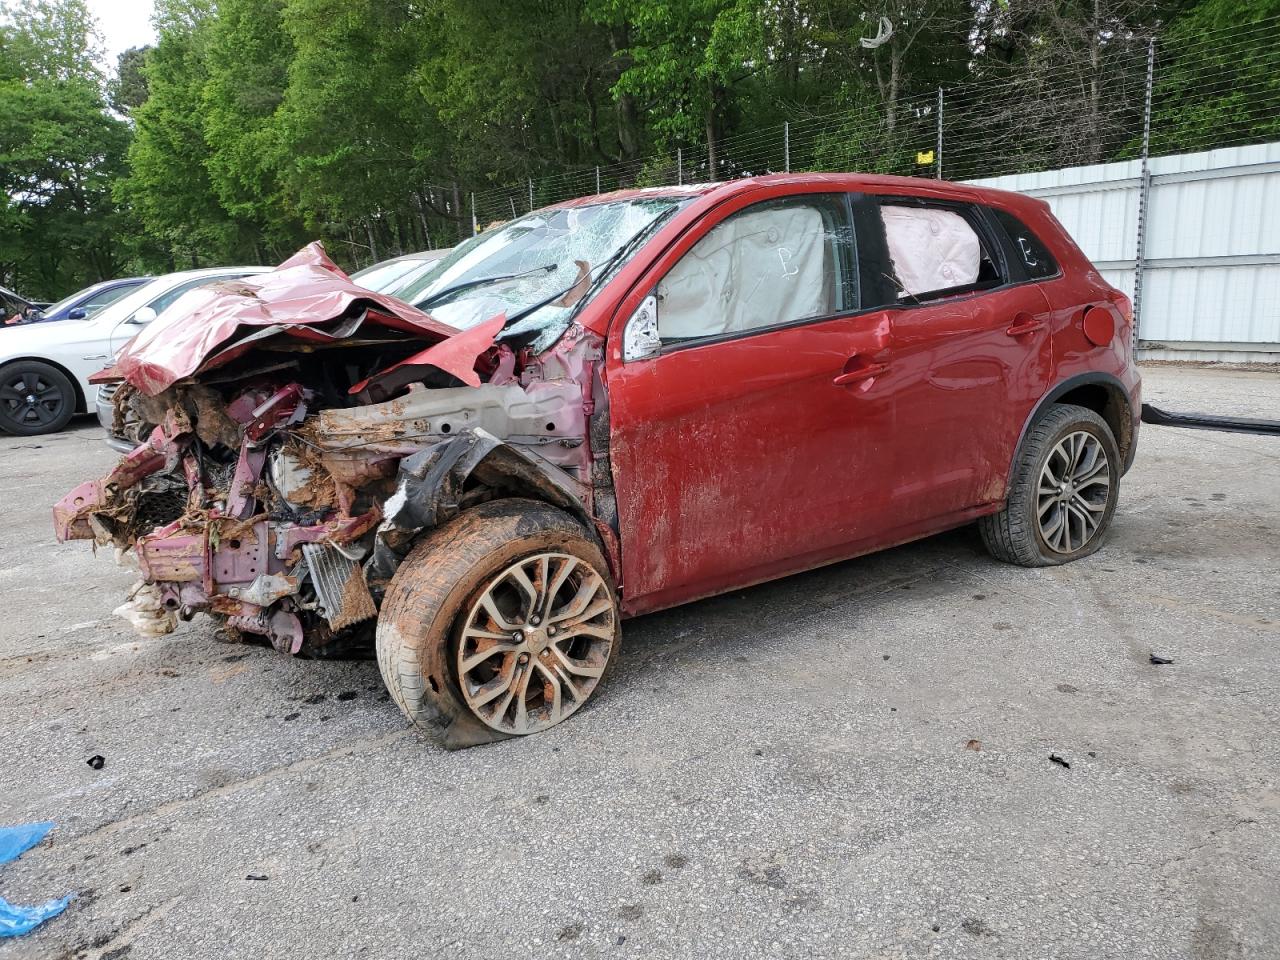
(502, 622)
(1063, 491)
(35, 398)
(1073, 493)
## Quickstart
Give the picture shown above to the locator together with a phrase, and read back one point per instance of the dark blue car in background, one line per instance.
(85, 303)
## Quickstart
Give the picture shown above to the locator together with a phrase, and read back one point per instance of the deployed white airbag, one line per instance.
(931, 249)
(756, 269)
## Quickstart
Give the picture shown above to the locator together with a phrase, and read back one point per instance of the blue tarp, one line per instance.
(15, 920)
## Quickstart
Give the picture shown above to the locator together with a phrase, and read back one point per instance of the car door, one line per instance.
(747, 437)
(971, 355)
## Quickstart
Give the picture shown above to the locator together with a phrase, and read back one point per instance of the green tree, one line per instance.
(60, 152)
(1218, 77)
(168, 185)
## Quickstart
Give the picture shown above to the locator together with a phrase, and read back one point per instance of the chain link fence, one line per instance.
(1211, 90)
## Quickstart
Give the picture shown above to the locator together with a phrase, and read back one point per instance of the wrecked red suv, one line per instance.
(606, 407)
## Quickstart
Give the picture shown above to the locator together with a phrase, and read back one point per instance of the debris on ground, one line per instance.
(973, 745)
(1158, 661)
(97, 761)
(1054, 758)
(16, 920)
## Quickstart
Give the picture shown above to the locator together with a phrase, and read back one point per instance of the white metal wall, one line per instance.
(1211, 274)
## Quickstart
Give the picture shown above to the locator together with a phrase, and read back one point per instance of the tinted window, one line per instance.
(935, 251)
(1035, 256)
(106, 297)
(770, 264)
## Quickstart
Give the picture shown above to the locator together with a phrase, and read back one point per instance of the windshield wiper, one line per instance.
(481, 282)
(597, 272)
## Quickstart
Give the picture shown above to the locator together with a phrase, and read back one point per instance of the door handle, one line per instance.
(869, 372)
(1024, 323)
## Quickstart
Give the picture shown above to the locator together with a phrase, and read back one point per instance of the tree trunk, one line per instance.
(1095, 59)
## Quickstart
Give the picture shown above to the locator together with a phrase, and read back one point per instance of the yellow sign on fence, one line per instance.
(924, 156)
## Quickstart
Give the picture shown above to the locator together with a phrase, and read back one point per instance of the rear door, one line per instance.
(971, 355)
(752, 440)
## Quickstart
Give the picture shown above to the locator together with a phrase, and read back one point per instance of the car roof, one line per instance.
(157, 286)
(846, 182)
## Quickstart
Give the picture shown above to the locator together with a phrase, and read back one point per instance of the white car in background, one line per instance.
(45, 367)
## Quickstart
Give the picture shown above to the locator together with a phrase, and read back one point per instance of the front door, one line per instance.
(754, 442)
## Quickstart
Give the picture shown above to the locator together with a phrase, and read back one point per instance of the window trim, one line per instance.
(849, 269)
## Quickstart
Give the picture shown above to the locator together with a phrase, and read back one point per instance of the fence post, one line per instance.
(938, 156)
(475, 227)
(680, 166)
(513, 207)
(531, 194)
(1144, 197)
(786, 145)
(597, 181)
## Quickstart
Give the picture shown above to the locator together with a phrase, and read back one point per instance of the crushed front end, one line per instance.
(287, 468)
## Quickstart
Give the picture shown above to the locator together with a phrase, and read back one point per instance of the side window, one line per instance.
(1034, 254)
(935, 251)
(98, 301)
(774, 263)
(168, 297)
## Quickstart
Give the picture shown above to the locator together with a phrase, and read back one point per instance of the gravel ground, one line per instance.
(853, 762)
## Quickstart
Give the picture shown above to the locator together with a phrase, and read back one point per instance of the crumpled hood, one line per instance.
(307, 297)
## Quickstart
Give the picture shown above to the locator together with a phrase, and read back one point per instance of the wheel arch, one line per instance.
(82, 405)
(1102, 393)
(439, 483)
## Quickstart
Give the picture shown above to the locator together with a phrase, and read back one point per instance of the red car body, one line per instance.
(706, 464)
(739, 461)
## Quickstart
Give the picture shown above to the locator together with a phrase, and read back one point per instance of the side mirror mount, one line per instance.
(141, 317)
(77, 314)
(640, 338)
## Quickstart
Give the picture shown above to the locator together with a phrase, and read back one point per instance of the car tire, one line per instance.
(464, 592)
(1061, 498)
(35, 398)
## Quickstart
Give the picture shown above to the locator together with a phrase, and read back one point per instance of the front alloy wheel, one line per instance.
(535, 643)
(501, 622)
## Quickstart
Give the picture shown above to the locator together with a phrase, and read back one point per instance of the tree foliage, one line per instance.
(252, 126)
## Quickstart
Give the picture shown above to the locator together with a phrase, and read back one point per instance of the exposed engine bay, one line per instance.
(284, 469)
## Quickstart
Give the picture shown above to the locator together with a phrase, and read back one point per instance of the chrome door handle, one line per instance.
(869, 372)
(1024, 323)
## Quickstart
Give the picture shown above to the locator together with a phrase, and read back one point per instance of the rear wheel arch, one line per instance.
(1102, 393)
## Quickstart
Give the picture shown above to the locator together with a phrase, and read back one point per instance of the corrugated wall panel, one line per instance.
(1231, 210)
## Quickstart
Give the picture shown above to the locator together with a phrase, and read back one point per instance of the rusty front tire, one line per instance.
(502, 622)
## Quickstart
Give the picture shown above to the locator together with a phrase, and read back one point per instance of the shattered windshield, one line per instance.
(549, 263)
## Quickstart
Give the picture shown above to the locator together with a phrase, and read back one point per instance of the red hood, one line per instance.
(307, 297)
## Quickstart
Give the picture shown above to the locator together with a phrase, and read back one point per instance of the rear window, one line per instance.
(1034, 255)
(934, 251)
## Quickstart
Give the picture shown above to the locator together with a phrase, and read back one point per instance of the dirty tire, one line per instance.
(1015, 534)
(35, 398)
(438, 587)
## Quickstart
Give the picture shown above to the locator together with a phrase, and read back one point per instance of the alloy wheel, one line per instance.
(536, 642)
(1071, 499)
(29, 400)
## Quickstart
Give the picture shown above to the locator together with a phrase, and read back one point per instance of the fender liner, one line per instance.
(1126, 437)
(430, 485)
